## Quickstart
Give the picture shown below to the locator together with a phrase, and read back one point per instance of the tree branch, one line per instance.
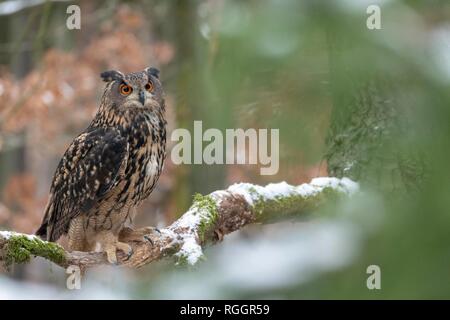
(206, 222)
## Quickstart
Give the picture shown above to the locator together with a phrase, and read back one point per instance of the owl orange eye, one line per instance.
(125, 89)
(149, 86)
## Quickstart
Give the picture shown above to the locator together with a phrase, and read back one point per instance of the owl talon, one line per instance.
(111, 256)
(129, 254)
(148, 230)
(138, 235)
(125, 248)
(149, 240)
(111, 250)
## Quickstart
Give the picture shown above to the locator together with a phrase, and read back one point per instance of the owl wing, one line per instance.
(92, 165)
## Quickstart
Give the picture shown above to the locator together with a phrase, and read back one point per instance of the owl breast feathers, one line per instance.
(110, 168)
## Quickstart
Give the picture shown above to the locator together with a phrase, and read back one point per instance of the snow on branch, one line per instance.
(206, 222)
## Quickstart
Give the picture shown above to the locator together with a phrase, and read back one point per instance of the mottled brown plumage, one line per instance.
(110, 168)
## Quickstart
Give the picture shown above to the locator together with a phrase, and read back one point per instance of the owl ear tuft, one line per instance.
(153, 71)
(111, 75)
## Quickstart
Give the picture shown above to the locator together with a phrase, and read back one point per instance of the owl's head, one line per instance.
(139, 89)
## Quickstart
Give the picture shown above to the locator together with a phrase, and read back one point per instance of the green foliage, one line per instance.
(381, 99)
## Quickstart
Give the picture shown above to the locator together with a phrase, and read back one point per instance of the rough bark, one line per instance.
(206, 222)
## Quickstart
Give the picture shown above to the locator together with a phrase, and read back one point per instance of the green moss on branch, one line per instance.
(282, 207)
(208, 208)
(20, 248)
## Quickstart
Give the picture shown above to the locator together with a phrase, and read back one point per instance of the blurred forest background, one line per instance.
(372, 105)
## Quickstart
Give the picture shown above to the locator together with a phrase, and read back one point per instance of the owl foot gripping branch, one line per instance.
(234, 150)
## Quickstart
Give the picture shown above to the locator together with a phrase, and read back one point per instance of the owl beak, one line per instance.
(142, 97)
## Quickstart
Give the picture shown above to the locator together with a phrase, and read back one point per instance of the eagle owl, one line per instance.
(110, 168)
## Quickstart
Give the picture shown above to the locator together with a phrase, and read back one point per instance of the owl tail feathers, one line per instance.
(45, 232)
(42, 231)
